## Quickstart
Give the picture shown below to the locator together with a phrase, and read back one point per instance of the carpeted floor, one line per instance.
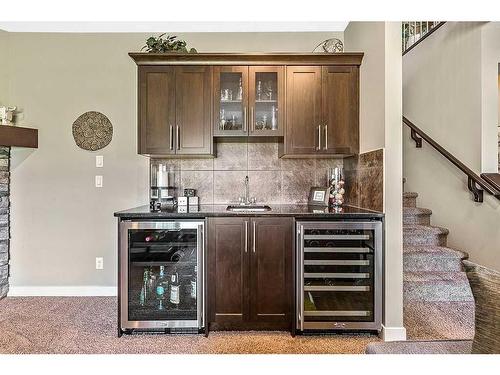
(88, 325)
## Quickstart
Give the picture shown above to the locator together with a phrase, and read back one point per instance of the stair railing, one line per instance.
(475, 183)
(414, 32)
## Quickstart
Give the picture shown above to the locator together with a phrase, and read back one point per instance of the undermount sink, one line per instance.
(248, 208)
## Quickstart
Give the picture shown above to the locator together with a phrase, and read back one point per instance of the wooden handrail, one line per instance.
(423, 38)
(418, 134)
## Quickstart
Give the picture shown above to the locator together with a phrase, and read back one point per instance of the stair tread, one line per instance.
(416, 211)
(410, 194)
(435, 276)
(430, 229)
(439, 320)
(441, 250)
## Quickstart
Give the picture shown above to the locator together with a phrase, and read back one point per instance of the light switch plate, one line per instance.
(98, 181)
(99, 263)
(99, 161)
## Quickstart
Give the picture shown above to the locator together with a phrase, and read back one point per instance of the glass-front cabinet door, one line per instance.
(265, 100)
(231, 100)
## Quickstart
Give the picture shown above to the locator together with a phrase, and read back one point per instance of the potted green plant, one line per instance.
(168, 44)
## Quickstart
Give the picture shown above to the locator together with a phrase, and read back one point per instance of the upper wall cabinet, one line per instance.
(309, 102)
(175, 109)
(322, 111)
(247, 100)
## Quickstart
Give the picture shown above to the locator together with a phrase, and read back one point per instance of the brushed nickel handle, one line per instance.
(171, 137)
(326, 137)
(178, 138)
(254, 230)
(246, 236)
(252, 120)
(244, 119)
(319, 138)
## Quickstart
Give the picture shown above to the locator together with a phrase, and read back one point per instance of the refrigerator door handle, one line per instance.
(199, 276)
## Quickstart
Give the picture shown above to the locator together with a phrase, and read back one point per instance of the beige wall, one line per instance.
(380, 127)
(490, 58)
(3, 68)
(60, 221)
(368, 37)
(444, 93)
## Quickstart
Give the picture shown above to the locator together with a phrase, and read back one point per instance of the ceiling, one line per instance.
(178, 27)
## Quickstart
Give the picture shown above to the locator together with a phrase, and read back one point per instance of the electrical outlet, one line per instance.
(99, 263)
(99, 161)
(98, 181)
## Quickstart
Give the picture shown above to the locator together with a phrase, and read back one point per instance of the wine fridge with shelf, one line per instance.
(161, 284)
(339, 276)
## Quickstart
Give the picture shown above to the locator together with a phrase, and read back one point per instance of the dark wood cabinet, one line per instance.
(266, 91)
(230, 100)
(227, 270)
(193, 110)
(248, 100)
(308, 102)
(340, 113)
(175, 109)
(156, 110)
(322, 111)
(271, 286)
(249, 272)
(303, 109)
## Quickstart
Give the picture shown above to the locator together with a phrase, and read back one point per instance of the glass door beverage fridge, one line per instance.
(161, 276)
(339, 275)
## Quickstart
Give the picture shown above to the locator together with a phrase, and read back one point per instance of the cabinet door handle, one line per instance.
(171, 137)
(244, 119)
(252, 121)
(326, 137)
(254, 230)
(319, 138)
(178, 138)
(246, 236)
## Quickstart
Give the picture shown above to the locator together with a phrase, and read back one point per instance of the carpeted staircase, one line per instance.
(438, 302)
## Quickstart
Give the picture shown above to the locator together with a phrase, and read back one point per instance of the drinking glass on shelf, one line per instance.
(269, 90)
(222, 125)
(259, 90)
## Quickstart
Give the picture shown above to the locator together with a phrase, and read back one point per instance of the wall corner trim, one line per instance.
(393, 333)
(62, 291)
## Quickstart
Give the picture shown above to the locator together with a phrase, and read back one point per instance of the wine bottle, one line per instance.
(161, 288)
(155, 236)
(174, 290)
(177, 256)
(144, 290)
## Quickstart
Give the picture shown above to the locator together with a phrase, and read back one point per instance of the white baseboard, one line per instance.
(62, 291)
(393, 333)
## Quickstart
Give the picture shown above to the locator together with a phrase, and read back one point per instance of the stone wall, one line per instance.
(4, 220)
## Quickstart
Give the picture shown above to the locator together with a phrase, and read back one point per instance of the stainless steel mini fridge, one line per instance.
(339, 275)
(161, 275)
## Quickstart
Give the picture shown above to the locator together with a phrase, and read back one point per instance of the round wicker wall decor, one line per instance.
(92, 131)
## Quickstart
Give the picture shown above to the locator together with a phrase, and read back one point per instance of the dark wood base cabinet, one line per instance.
(250, 273)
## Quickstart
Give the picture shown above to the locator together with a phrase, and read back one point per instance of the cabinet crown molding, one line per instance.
(341, 58)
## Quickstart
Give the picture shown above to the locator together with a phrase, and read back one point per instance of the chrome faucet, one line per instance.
(246, 200)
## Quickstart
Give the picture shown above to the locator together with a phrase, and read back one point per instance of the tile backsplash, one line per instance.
(272, 180)
(364, 178)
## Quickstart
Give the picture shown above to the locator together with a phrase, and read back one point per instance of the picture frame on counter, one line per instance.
(319, 196)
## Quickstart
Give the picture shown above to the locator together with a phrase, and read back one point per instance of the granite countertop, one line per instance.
(346, 212)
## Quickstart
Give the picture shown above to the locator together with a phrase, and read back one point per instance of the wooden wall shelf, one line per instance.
(16, 136)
